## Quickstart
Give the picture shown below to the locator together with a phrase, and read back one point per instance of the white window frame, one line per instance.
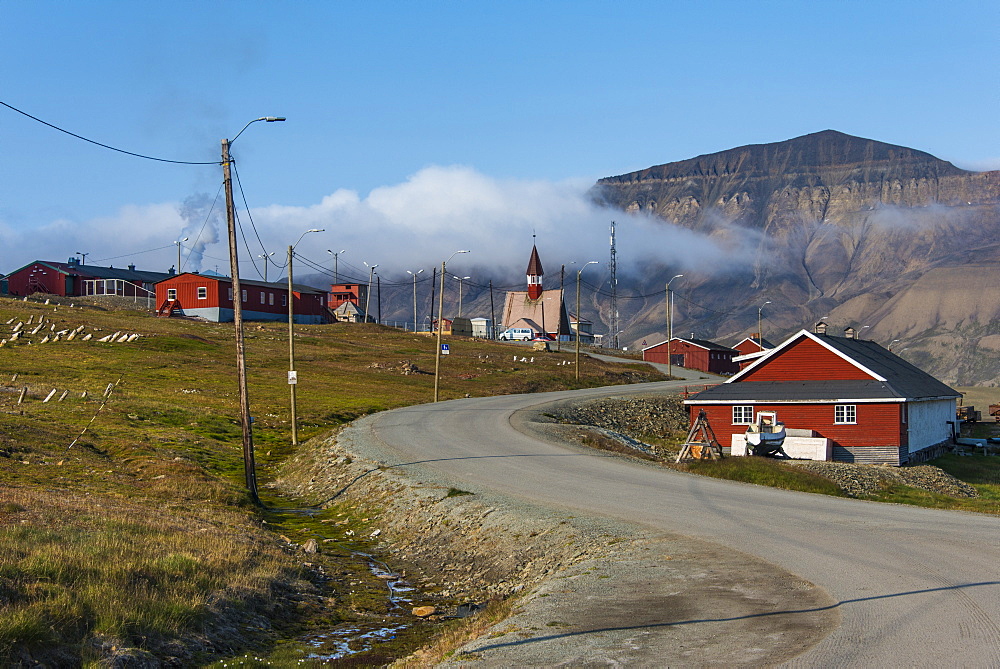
(845, 414)
(244, 291)
(745, 412)
(171, 293)
(202, 292)
(263, 297)
(230, 293)
(284, 300)
(270, 299)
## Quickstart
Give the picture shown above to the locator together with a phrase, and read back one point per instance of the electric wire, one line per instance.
(106, 146)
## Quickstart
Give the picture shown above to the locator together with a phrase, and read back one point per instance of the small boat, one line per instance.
(766, 436)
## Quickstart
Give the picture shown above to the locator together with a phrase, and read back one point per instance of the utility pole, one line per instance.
(578, 273)
(670, 325)
(292, 376)
(249, 466)
(179, 253)
(414, 275)
(433, 287)
(562, 299)
(368, 295)
(437, 355)
(378, 293)
(614, 290)
(265, 256)
(493, 315)
(336, 257)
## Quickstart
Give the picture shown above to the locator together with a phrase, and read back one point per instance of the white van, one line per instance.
(517, 334)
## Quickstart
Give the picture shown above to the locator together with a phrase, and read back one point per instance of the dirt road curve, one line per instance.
(912, 586)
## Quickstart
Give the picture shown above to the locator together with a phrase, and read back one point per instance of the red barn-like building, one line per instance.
(211, 298)
(700, 354)
(872, 406)
(71, 279)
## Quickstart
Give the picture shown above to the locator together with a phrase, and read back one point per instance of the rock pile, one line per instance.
(636, 417)
(868, 480)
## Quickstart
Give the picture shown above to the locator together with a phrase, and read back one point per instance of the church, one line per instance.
(542, 311)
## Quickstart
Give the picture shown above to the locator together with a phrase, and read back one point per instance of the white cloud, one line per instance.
(414, 224)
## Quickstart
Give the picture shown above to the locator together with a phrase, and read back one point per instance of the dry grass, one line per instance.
(141, 532)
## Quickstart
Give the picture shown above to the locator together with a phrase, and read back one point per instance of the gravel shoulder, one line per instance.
(591, 590)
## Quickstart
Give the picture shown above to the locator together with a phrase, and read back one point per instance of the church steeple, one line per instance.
(535, 273)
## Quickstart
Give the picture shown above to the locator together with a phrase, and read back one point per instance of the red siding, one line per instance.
(878, 424)
(746, 346)
(309, 304)
(806, 360)
(694, 357)
(39, 278)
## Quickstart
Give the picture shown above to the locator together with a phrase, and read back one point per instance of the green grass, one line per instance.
(764, 471)
(132, 531)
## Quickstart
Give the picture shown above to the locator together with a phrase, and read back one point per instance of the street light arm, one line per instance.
(269, 119)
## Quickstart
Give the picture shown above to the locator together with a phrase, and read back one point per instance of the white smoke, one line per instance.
(203, 217)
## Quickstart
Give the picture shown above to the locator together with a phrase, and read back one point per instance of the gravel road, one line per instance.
(911, 586)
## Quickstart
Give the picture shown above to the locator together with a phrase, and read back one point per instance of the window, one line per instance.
(244, 296)
(845, 414)
(743, 415)
(284, 300)
(270, 299)
(171, 293)
(202, 292)
(230, 293)
(263, 297)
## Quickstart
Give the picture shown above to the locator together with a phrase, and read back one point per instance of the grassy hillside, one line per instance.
(124, 527)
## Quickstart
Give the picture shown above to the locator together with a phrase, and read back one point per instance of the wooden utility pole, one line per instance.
(292, 377)
(249, 466)
(440, 324)
(433, 287)
(493, 315)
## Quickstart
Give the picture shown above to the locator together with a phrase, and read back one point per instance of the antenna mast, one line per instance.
(614, 291)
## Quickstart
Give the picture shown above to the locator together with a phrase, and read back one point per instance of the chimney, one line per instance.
(850, 333)
(171, 271)
(131, 268)
(73, 262)
(820, 328)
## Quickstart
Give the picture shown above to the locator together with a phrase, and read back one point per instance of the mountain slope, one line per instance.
(867, 233)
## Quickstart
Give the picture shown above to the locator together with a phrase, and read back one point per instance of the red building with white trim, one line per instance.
(72, 279)
(700, 354)
(211, 298)
(873, 406)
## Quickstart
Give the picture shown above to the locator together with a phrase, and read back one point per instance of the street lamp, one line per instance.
(249, 468)
(461, 280)
(670, 325)
(414, 275)
(437, 354)
(265, 256)
(292, 376)
(760, 335)
(336, 258)
(578, 317)
(368, 297)
(83, 257)
(178, 243)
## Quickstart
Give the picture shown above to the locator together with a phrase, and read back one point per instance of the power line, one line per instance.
(106, 146)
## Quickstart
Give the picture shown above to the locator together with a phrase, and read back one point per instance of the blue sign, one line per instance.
(444, 349)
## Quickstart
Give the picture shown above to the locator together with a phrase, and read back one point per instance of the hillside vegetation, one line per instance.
(125, 531)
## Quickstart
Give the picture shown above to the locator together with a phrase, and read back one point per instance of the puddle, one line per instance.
(349, 640)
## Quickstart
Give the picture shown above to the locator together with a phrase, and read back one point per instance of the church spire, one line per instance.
(535, 273)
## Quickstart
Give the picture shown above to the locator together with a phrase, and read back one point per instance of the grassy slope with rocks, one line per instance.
(969, 483)
(125, 533)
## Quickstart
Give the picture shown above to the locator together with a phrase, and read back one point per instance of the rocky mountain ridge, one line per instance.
(872, 235)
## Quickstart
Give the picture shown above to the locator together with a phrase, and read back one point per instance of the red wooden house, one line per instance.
(700, 354)
(872, 406)
(71, 279)
(750, 349)
(211, 298)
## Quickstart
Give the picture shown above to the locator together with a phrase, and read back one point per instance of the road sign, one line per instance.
(445, 350)
(293, 377)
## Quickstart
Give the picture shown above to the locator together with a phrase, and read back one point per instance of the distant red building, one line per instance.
(700, 354)
(72, 279)
(211, 298)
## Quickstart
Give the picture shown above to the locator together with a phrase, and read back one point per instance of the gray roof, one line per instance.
(704, 343)
(902, 380)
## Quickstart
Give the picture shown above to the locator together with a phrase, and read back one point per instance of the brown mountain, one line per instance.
(872, 235)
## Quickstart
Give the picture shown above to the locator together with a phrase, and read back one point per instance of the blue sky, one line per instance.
(415, 127)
